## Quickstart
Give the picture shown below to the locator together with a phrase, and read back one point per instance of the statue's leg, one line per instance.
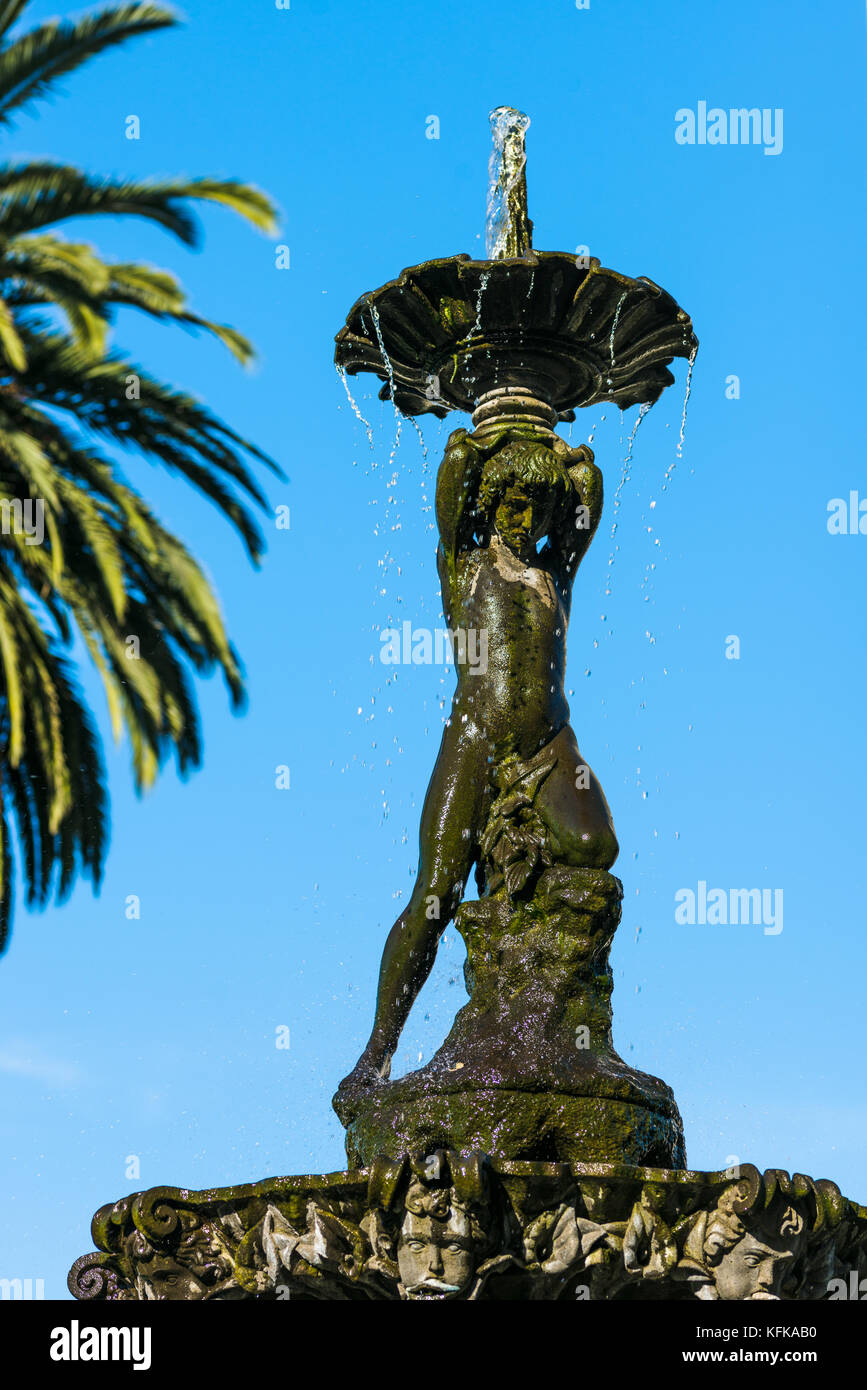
(573, 806)
(454, 807)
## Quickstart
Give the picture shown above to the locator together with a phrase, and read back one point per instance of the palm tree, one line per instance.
(105, 570)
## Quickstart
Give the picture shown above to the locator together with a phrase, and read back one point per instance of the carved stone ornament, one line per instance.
(445, 1226)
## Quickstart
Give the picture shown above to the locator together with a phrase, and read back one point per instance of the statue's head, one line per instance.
(751, 1261)
(431, 1225)
(438, 1245)
(523, 486)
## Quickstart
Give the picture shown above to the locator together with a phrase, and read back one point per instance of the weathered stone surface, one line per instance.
(529, 1070)
(447, 1226)
(520, 1124)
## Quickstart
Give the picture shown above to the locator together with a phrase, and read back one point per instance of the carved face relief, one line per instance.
(522, 519)
(752, 1270)
(163, 1279)
(436, 1259)
(197, 1268)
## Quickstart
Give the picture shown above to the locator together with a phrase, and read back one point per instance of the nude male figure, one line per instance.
(497, 498)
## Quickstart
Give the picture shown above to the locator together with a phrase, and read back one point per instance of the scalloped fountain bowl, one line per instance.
(448, 332)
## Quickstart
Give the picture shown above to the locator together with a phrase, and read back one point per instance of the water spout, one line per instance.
(509, 231)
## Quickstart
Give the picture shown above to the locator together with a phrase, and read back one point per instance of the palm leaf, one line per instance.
(9, 12)
(10, 341)
(105, 568)
(32, 64)
(40, 194)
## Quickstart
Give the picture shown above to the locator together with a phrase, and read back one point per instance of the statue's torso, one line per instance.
(519, 699)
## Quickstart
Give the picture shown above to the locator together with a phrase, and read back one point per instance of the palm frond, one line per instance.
(40, 194)
(45, 269)
(32, 64)
(102, 567)
(11, 345)
(10, 10)
(159, 422)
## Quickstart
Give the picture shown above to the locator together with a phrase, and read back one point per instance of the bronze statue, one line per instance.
(498, 496)
(518, 342)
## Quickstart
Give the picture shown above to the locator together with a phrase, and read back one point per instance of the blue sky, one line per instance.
(263, 908)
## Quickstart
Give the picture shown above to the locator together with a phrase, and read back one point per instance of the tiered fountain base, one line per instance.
(449, 1226)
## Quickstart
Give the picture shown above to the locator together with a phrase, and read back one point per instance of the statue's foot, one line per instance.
(368, 1073)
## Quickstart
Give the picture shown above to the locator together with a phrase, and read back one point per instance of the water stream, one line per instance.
(398, 413)
(506, 227)
(692, 357)
(625, 470)
(352, 401)
(614, 324)
(483, 285)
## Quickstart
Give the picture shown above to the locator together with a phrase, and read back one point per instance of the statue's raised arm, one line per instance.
(573, 525)
(456, 496)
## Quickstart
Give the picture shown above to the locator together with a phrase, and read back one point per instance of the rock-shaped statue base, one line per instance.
(528, 1070)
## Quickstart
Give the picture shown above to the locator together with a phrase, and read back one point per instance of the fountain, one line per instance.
(526, 1160)
(518, 341)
